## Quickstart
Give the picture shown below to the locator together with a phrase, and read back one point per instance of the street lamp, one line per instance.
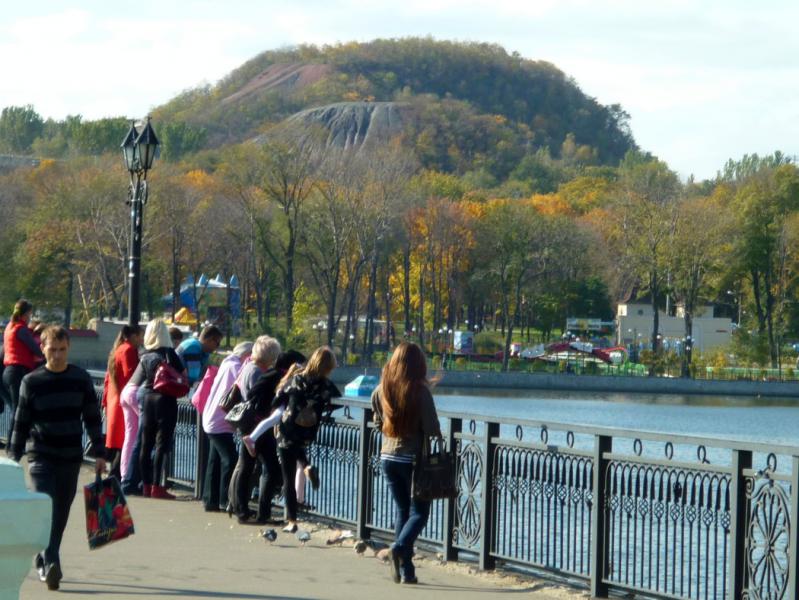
(319, 328)
(139, 151)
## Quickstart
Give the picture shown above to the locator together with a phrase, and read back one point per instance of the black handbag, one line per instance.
(242, 416)
(231, 398)
(434, 474)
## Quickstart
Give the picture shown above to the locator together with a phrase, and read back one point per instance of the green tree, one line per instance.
(179, 138)
(19, 126)
(763, 204)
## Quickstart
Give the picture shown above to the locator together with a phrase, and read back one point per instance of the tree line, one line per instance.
(313, 230)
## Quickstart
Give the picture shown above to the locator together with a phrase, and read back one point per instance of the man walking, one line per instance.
(55, 402)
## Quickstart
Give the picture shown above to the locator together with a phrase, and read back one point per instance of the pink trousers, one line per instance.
(130, 412)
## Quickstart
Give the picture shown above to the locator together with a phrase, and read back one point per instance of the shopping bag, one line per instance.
(107, 516)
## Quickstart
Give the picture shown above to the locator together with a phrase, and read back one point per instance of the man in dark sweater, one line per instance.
(55, 402)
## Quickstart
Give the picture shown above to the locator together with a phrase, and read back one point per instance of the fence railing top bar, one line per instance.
(711, 442)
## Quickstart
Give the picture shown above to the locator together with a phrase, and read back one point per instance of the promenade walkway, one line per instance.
(180, 551)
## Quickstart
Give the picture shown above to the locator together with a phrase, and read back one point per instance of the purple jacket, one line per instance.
(213, 417)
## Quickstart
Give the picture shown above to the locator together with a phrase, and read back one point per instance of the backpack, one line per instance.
(305, 403)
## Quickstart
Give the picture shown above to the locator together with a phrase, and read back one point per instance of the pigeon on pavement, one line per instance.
(303, 536)
(270, 535)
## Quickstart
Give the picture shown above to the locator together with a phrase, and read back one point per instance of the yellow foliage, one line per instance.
(551, 204)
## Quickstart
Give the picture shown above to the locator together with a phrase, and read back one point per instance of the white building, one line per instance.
(634, 326)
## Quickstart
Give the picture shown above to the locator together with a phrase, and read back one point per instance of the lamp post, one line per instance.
(139, 151)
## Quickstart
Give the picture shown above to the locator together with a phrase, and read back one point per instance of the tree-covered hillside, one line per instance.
(462, 92)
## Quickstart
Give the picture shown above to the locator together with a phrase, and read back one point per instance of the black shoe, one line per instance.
(212, 509)
(394, 563)
(53, 577)
(409, 580)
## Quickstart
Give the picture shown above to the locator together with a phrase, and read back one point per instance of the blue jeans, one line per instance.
(411, 515)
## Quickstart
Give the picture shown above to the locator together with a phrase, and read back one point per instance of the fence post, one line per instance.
(450, 552)
(793, 565)
(202, 458)
(741, 459)
(599, 542)
(487, 561)
(364, 483)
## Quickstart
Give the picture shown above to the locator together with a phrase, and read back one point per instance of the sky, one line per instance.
(703, 80)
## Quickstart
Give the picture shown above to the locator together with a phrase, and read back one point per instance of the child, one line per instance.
(304, 395)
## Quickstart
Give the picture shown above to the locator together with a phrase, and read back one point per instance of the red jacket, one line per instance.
(126, 359)
(15, 351)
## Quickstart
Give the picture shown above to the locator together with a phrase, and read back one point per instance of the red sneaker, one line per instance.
(160, 492)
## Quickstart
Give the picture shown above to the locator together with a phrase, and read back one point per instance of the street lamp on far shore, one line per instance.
(139, 150)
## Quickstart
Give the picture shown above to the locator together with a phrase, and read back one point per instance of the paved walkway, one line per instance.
(180, 551)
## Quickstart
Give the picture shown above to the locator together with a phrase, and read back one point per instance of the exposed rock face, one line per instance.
(283, 77)
(355, 125)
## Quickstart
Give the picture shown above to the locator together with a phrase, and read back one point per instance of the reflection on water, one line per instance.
(768, 420)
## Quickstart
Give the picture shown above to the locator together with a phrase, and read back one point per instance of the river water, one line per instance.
(745, 419)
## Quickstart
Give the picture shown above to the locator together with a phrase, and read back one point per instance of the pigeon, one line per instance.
(303, 536)
(339, 536)
(270, 535)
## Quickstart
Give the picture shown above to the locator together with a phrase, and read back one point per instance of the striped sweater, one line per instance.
(53, 409)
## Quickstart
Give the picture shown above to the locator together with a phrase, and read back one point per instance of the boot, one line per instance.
(159, 491)
(147, 490)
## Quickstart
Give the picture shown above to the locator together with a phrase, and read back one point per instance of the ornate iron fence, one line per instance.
(621, 511)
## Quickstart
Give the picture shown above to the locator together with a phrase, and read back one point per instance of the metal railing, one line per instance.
(615, 510)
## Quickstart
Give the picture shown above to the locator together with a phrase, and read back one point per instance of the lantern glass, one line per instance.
(129, 148)
(147, 145)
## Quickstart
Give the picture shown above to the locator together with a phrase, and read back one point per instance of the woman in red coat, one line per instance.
(122, 362)
(21, 353)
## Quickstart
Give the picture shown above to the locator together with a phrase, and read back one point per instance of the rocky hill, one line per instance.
(460, 105)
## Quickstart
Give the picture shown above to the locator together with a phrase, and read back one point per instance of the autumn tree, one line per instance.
(697, 251)
(641, 224)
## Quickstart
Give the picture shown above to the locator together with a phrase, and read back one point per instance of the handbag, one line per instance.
(242, 416)
(107, 515)
(169, 381)
(434, 474)
(232, 397)
(203, 391)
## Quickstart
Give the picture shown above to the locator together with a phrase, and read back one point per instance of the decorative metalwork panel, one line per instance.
(543, 502)
(335, 453)
(768, 535)
(667, 528)
(471, 470)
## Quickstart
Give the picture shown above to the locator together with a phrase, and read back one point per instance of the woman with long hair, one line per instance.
(122, 362)
(405, 413)
(21, 353)
(303, 396)
(159, 413)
